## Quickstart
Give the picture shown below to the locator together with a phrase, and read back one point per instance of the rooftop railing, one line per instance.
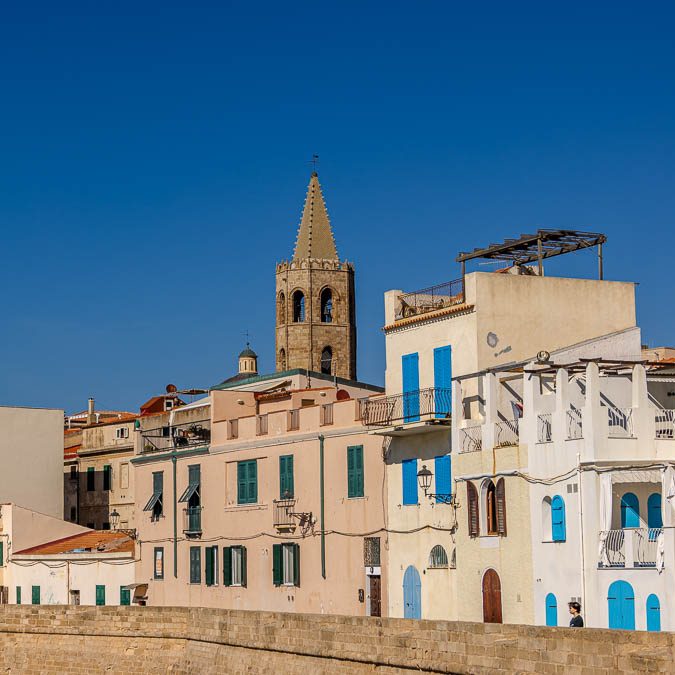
(665, 424)
(176, 436)
(430, 299)
(412, 406)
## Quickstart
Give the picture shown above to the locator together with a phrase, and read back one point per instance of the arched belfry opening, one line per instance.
(315, 283)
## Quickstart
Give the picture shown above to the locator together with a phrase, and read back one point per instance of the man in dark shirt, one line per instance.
(575, 610)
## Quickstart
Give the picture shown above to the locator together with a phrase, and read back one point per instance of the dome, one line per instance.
(248, 353)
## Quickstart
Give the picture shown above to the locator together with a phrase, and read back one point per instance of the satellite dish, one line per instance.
(171, 389)
(342, 395)
(543, 356)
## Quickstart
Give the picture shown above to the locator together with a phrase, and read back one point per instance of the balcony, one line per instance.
(620, 422)
(507, 432)
(192, 521)
(430, 299)
(418, 409)
(471, 438)
(176, 437)
(665, 424)
(630, 548)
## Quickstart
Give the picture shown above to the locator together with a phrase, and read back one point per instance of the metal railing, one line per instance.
(665, 423)
(192, 520)
(176, 436)
(471, 438)
(645, 546)
(620, 422)
(433, 403)
(283, 509)
(430, 299)
(612, 548)
(575, 427)
(506, 432)
(630, 547)
(544, 428)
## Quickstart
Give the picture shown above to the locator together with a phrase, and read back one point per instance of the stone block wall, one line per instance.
(60, 639)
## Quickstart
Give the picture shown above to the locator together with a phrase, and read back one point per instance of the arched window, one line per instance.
(298, 306)
(282, 359)
(551, 610)
(558, 526)
(327, 361)
(630, 510)
(546, 533)
(281, 308)
(654, 518)
(438, 558)
(653, 613)
(326, 306)
(490, 502)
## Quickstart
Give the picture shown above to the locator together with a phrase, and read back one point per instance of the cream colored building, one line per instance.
(31, 449)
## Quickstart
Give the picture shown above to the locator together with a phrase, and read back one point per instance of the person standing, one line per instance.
(575, 610)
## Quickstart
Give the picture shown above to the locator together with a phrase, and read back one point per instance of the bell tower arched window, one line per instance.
(282, 359)
(281, 308)
(326, 306)
(298, 307)
(327, 361)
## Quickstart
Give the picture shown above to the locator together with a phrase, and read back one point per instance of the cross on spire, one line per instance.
(314, 161)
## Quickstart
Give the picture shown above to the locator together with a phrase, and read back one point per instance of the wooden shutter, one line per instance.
(209, 566)
(500, 499)
(296, 564)
(243, 564)
(227, 566)
(277, 565)
(472, 508)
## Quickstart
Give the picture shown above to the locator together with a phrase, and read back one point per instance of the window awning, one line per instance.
(191, 489)
(156, 497)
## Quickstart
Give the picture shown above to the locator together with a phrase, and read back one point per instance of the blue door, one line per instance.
(442, 380)
(558, 527)
(412, 591)
(621, 606)
(654, 518)
(653, 613)
(551, 610)
(630, 510)
(411, 388)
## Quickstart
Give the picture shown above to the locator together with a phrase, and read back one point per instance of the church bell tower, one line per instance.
(316, 317)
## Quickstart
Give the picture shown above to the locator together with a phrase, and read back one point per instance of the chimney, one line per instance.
(91, 417)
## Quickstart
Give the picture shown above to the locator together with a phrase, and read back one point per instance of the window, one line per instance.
(35, 595)
(281, 308)
(211, 571)
(234, 566)
(282, 359)
(125, 596)
(195, 565)
(107, 477)
(326, 306)
(122, 432)
(261, 425)
(286, 564)
(75, 597)
(654, 517)
(558, 527)
(91, 479)
(546, 520)
(630, 510)
(159, 562)
(327, 361)
(371, 551)
(156, 502)
(355, 471)
(73, 514)
(438, 558)
(293, 420)
(298, 307)
(73, 472)
(409, 468)
(286, 481)
(473, 511)
(494, 498)
(100, 596)
(443, 474)
(247, 482)
(168, 404)
(18, 595)
(326, 414)
(191, 495)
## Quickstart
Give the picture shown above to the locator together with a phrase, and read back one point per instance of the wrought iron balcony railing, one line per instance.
(176, 436)
(430, 299)
(192, 520)
(630, 547)
(412, 406)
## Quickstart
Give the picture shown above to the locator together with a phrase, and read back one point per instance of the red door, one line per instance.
(375, 592)
(492, 597)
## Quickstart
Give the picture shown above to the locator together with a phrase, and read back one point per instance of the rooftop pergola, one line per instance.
(529, 248)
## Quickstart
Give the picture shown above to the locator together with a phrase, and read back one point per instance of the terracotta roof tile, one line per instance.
(419, 318)
(94, 541)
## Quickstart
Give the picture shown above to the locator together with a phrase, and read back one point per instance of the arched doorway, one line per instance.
(630, 510)
(653, 613)
(621, 606)
(412, 592)
(551, 610)
(492, 597)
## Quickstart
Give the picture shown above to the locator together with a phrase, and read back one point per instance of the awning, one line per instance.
(636, 476)
(191, 489)
(156, 497)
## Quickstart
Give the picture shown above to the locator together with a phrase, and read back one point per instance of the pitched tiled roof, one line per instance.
(428, 316)
(94, 541)
(315, 237)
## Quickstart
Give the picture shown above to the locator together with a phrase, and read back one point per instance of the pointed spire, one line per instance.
(315, 237)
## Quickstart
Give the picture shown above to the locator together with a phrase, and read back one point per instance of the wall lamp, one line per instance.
(424, 479)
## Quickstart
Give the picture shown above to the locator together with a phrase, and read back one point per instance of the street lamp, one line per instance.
(424, 479)
(114, 519)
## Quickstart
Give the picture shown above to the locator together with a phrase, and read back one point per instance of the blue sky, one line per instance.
(154, 165)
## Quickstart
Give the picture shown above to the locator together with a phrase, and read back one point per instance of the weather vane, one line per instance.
(247, 336)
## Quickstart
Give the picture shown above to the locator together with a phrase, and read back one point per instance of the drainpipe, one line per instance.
(175, 519)
(323, 528)
(581, 534)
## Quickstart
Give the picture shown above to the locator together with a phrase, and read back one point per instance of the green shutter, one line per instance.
(241, 483)
(195, 565)
(227, 566)
(355, 471)
(277, 565)
(286, 487)
(209, 566)
(2, 553)
(359, 469)
(247, 482)
(350, 472)
(35, 595)
(18, 595)
(243, 565)
(125, 596)
(253, 482)
(296, 564)
(107, 475)
(100, 595)
(91, 479)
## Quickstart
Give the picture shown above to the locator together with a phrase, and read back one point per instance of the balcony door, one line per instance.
(442, 381)
(411, 387)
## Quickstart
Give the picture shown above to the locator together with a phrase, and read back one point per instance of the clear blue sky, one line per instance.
(153, 165)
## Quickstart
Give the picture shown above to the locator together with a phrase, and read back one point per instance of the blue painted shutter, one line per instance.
(442, 380)
(653, 613)
(443, 475)
(654, 517)
(630, 510)
(411, 386)
(551, 610)
(409, 468)
(558, 529)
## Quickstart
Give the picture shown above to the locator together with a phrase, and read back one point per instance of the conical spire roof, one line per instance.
(315, 237)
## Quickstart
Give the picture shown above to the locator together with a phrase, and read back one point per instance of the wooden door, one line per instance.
(412, 594)
(375, 592)
(492, 597)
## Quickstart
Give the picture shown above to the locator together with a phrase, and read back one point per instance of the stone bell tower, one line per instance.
(316, 316)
